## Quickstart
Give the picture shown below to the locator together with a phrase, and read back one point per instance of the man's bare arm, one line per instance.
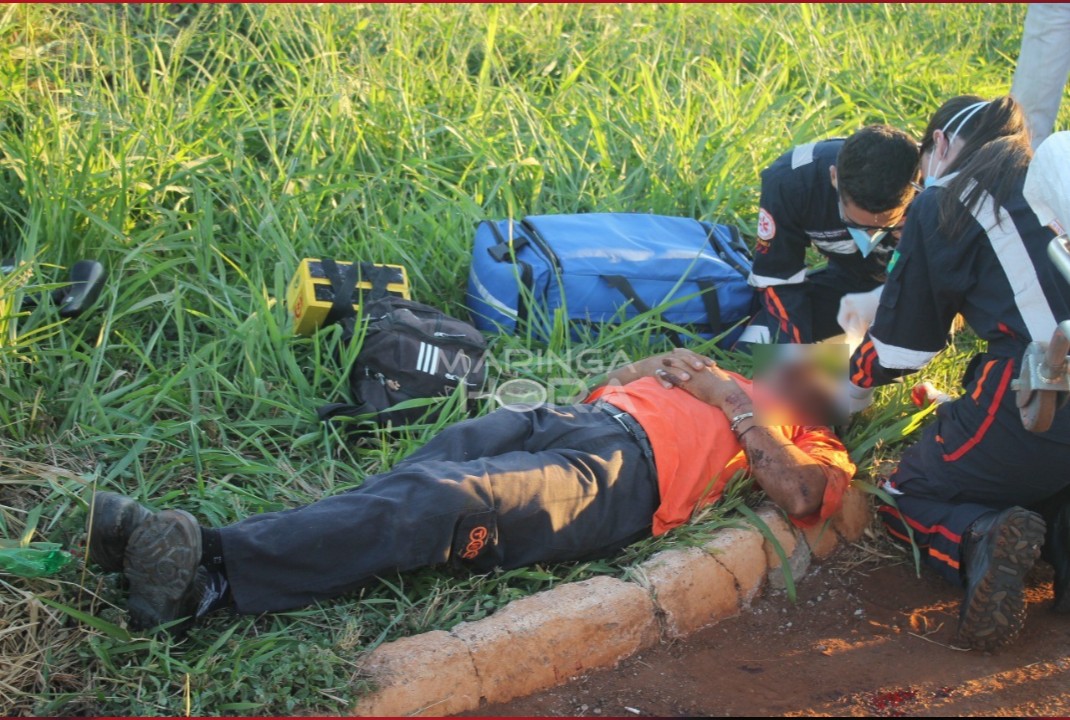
(790, 477)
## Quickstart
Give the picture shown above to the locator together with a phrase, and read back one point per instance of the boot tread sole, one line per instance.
(161, 565)
(994, 613)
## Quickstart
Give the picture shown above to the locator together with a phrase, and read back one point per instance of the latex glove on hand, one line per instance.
(857, 311)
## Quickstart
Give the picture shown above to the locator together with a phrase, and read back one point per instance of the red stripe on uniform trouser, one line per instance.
(933, 553)
(993, 408)
(984, 376)
(888, 509)
(777, 311)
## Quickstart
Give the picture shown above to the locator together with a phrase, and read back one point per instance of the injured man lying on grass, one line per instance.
(662, 437)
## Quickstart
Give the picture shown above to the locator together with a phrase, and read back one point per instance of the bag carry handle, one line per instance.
(624, 286)
(500, 251)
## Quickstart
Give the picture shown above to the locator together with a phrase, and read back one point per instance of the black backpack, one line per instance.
(410, 351)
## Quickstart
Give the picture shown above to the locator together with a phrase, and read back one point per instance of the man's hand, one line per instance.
(686, 360)
(790, 477)
(711, 385)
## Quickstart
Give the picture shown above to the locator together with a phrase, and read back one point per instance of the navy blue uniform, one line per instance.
(800, 209)
(976, 456)
(508, 489)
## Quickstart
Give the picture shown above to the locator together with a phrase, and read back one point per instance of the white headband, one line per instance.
(972, 110)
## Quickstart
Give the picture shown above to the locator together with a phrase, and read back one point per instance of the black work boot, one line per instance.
(112, 519)
(1000, 549)
(161, 566)
(1057, 552)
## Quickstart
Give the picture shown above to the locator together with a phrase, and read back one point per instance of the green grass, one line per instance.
(201, 151)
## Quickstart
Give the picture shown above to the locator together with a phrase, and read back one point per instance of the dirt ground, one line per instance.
(861, 640)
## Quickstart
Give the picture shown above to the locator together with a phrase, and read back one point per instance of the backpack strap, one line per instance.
(330, 411)
(624, 286)
(708, 294)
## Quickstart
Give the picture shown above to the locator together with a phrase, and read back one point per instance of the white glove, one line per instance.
(857, 311)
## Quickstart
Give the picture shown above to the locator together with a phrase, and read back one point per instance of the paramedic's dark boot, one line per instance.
(1057, 551)
(112, 519)
(161, 567)
(999, 550)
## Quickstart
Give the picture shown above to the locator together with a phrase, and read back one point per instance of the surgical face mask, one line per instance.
(864, 241)
(933, 174)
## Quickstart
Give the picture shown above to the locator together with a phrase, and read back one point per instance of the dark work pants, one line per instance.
(811, 307)
(975, 458)
(508, 489)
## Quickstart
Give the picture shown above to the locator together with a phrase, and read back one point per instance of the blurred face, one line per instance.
(804, 389)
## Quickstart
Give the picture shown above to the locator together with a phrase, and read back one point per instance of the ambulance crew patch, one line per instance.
(766, 225)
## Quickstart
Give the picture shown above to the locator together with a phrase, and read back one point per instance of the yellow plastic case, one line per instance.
(309, 295)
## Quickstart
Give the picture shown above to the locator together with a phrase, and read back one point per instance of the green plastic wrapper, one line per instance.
(33, 560)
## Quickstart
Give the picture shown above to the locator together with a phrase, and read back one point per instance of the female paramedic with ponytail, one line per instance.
(976, 488)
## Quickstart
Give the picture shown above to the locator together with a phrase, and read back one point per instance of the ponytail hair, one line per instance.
(993, 160)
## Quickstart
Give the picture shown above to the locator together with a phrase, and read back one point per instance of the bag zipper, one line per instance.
(461, 340)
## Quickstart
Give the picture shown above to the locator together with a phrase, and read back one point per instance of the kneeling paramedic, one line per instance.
(845, 198)
(555, 483)
(974, 491)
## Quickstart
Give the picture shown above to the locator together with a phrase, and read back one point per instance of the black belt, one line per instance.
(632, 426)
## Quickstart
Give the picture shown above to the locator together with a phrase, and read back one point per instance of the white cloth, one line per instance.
(1043, 66)
(1047, 183)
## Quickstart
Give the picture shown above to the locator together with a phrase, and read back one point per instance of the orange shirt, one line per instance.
(696, 452)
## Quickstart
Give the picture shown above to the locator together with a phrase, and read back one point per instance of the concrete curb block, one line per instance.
(543, 640)
(690, 589)
(548, 638)
(429, 673)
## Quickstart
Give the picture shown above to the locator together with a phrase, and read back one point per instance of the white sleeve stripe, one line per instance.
(802, 155)
(840, 247)
(757, 334)
(763, 281)
(894, 357)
